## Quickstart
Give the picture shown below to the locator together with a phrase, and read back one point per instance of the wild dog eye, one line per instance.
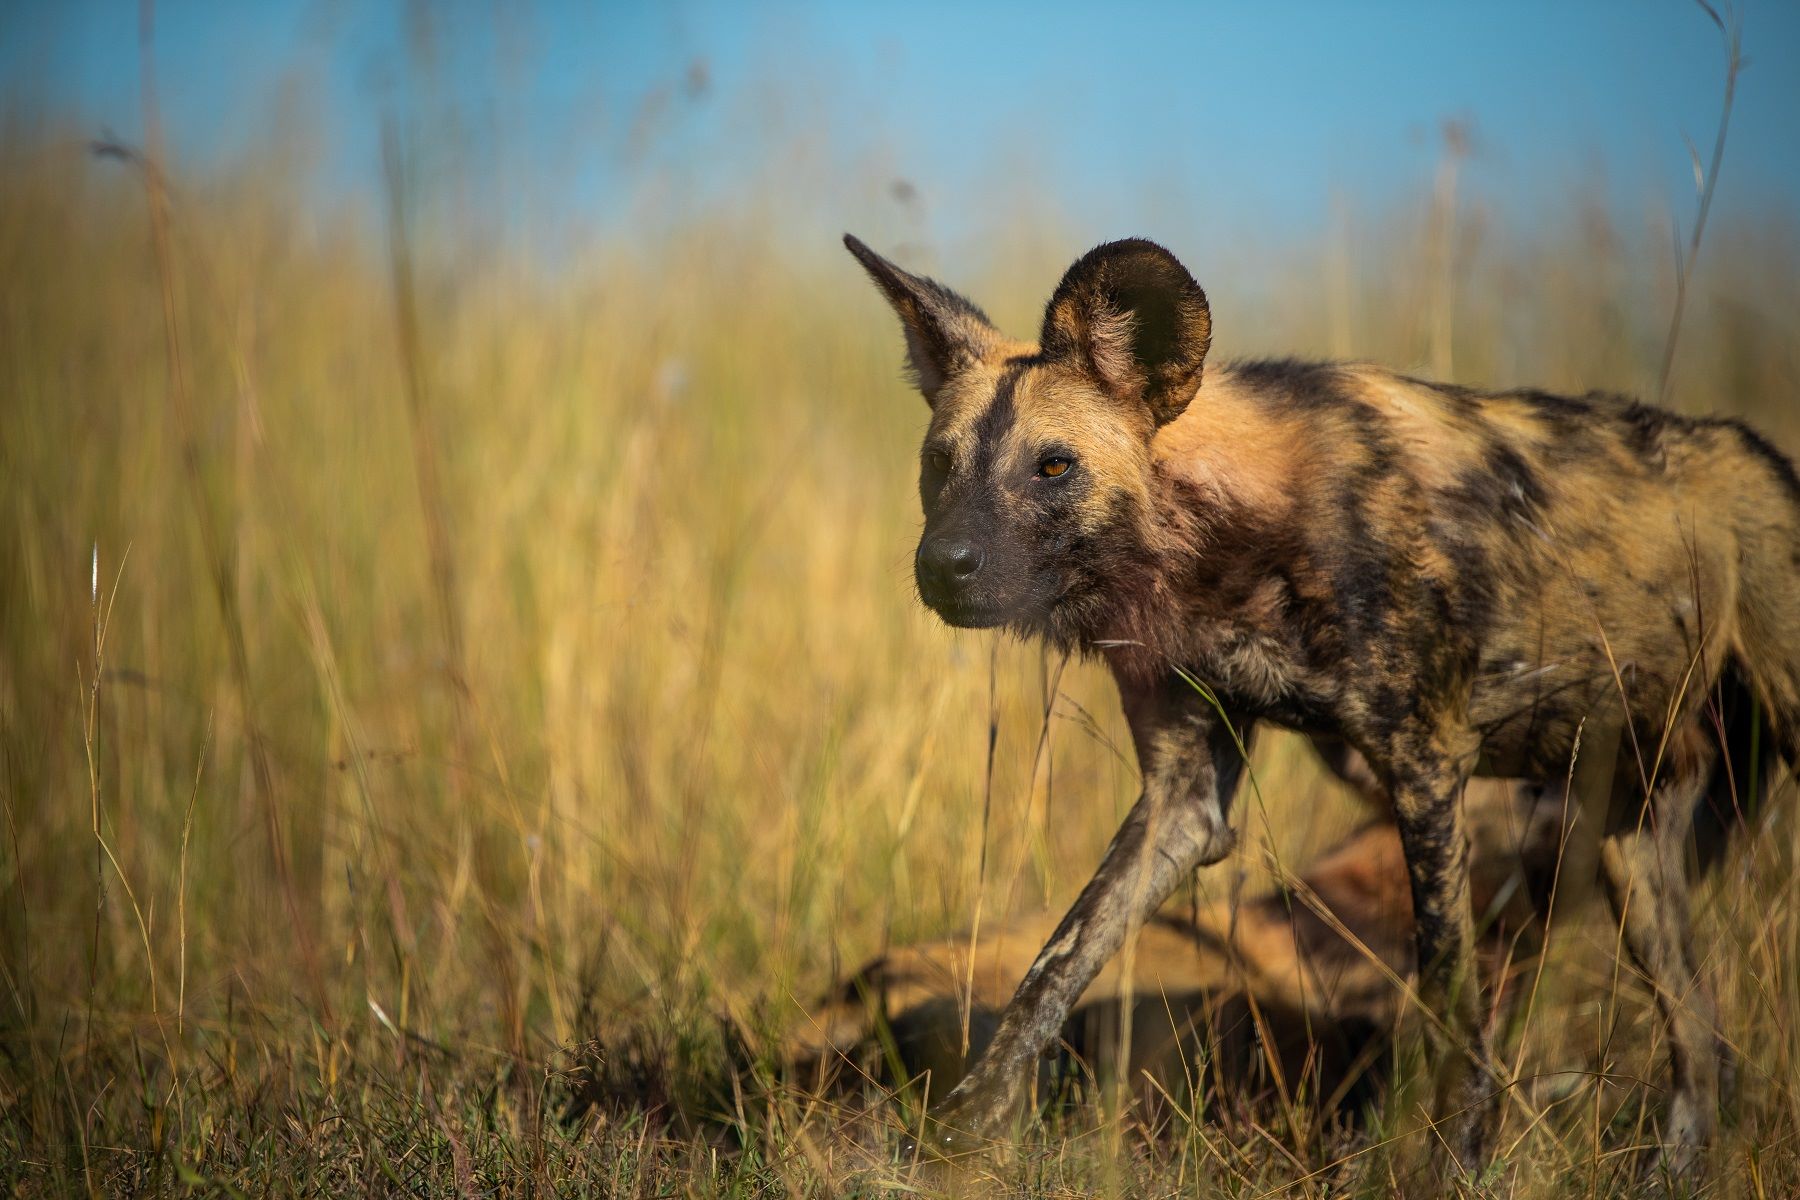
(938, 461)
(1055, 466)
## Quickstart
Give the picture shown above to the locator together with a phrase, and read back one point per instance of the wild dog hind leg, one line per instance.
(1645, 867)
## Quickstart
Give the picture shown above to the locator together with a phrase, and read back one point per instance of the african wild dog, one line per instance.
(1438, 580)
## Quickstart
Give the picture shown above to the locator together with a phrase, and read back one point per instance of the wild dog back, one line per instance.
(1580, 548)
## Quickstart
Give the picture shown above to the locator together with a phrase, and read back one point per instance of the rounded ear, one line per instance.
(1130, 315)
(944, 332)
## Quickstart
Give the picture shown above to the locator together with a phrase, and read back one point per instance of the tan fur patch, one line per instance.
(1235, 453)
(1434, 438)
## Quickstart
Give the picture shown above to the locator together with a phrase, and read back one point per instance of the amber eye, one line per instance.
(938, 461)
(1052, 467)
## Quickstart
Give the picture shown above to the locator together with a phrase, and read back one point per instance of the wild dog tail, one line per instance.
(1755, 710)
(1758, 701)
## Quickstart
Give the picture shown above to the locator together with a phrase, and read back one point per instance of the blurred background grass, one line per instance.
(582, 692)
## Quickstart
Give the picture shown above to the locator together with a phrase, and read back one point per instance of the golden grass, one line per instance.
(627, 717)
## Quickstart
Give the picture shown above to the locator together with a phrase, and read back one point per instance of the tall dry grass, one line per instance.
(582, 693)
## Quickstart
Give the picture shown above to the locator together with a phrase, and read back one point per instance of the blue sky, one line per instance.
(1259, 117)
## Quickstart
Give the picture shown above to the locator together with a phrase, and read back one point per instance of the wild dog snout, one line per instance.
(947, 565)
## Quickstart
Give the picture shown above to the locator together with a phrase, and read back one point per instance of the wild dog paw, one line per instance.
(966, 1124)
(1686, 1130)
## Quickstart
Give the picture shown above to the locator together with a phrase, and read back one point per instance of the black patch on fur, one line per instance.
(1302, 383)
(1473, 600)
(1559, 412)
(1396, 703)
(1365, 570)
(1361, 576)
(1520, 491)
(990, 428)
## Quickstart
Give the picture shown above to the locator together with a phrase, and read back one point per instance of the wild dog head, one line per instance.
(1036, 472)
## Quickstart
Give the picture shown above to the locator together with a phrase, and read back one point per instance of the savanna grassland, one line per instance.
(440, 688)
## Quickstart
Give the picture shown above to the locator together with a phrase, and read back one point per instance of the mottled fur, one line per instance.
(1446, 581)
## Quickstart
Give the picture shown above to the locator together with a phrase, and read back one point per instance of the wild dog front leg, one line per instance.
(1426, 771)
(1191, 765)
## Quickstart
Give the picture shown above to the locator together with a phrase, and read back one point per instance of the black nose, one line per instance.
(950, 560)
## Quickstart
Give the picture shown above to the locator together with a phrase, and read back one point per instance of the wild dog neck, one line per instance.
(1211, 586)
